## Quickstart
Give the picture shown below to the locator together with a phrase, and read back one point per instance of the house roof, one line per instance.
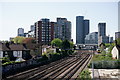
(32, 46)
(5, 47)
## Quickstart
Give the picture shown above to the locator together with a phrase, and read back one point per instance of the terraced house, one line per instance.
(14, 51)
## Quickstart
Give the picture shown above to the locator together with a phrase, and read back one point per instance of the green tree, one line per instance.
(56, 42)
(65, 44)
(71, 44)
(118, 41)
(18, 39)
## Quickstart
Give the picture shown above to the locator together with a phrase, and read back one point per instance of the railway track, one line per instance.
(31, 72)
(62, 69)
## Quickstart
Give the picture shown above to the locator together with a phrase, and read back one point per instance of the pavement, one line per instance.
(105, 74)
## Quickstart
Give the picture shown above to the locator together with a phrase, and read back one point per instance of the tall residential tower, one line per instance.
(82, 29)
(20, 32)
(44, 31)
(62, 29)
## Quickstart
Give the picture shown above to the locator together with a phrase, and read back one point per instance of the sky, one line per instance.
(14, 15)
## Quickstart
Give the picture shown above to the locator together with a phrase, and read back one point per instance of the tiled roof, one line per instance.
(12, 47)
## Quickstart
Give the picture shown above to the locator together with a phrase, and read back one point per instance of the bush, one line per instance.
(84, 75)
(105, 64)
(5, 59)
(44, 58)
(8, 63)
(70, 51)
(54, 56)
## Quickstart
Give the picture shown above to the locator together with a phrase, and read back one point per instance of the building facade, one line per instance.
(102, 38)
(20, 32)
(14, 51)
(32, 28)
(102, 29)
(117, 35)
(86, 27)
(91, 38)
(110, 39)
(62, 29)
(44, 31)
(82, 29)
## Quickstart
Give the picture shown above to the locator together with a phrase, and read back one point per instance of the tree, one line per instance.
(56, 42)
(102, 47)
(18, 39)
(29, 40)
(65, 44)
(118, 41)
(71, 44)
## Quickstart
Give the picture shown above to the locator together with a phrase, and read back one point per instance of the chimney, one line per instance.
(7, 45)
(24, 45)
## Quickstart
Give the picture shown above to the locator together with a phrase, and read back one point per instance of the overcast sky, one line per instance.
(16, 15)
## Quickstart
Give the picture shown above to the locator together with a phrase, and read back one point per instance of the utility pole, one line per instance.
(93, 67)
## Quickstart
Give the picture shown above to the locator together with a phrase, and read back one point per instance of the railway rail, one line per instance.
(62, 69)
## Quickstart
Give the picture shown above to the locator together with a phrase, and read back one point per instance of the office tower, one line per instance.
(31, 33)
(102, 29)
(82, 29)
(91, 38)
(32, 28)
(86, 27)
(110, 39)
(117, 35)
(102, 38)
(20, 32)
(62, 29)
(44, 30)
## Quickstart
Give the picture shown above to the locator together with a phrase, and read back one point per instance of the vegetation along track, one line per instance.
(62, 69)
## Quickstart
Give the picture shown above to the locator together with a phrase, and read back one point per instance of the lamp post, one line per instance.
(93, 66)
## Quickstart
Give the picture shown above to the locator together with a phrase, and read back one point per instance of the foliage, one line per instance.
(65, 44)
(102, 56)
(102, 44)
(104, 64)
(11, 62)
(70, 51)
(107, 44)
(118, 41)
(18, 39)
(71, 44)
(26, 56)
(85, 75)
(104, 61)
(56, 42)
(44, 57)
(5, 59)
(64, 53)
(54, 56)
(111, 47)
(29, 40)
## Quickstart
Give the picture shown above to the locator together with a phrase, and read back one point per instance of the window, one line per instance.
(1, 54)
(17, 53)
